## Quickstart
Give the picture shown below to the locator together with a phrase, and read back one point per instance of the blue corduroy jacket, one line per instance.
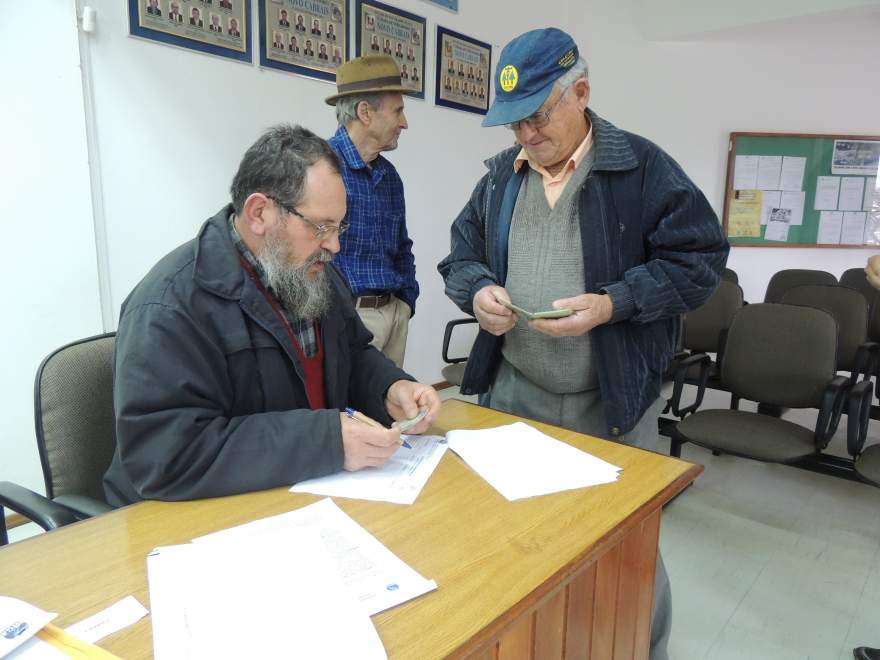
(650, 241)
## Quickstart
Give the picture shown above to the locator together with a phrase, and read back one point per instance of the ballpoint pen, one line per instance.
(360, 417)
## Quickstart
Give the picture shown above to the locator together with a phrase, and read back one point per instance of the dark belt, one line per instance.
(373, 301)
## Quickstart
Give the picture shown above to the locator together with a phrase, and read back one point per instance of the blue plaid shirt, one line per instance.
(376, 252)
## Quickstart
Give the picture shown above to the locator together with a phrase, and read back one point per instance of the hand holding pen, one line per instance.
(365, 442)
(361, 417)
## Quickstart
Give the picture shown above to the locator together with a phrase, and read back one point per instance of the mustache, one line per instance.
(321, 256)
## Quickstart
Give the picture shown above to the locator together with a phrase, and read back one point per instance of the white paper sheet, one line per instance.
(19, 621)
(372, 573)
(770, 199)
(793, 172)
(520, 461)
(777, 225)
(852, 193)
(399, 481)
(769, 170)
(745, 173)
(827, 190)
(248, 598)
(830, 225)
(853, 231)
(870, 190)
(119, 615)
(794, 201)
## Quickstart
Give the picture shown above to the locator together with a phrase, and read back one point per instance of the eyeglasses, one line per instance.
(320, 230)
(539, 119)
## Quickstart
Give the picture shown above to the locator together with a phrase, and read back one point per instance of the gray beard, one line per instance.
(305, 297)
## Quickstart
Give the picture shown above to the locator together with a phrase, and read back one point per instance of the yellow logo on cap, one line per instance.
(509, 78)
(567, 60)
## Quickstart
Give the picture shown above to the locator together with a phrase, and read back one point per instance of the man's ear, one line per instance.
(364, 113)
(257, 215)
(582, 93)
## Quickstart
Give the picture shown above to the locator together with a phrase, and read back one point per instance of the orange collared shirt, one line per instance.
(554, 185)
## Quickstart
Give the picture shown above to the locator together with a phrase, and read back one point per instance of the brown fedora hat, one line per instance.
(367, 74)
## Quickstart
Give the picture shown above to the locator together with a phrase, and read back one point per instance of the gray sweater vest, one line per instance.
(545, 263)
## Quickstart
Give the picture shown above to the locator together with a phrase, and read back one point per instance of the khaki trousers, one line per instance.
(389, 325)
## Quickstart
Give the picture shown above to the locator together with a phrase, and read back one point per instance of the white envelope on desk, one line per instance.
(519, 461)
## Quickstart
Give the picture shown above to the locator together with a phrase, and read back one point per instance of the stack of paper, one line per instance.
(399, 481)
(520, 461)
(247, 598)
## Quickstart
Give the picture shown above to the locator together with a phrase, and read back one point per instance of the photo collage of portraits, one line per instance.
(306, 33)
(216, 22)
(387, 32)
(463, 71)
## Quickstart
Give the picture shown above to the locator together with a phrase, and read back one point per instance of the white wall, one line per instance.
(809, 75)
(50, 293)
(173, 124)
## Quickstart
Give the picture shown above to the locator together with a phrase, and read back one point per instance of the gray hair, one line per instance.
(346, 107)
(576, 72)
(277, 163)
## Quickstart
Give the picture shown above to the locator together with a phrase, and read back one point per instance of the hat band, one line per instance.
(368, 84)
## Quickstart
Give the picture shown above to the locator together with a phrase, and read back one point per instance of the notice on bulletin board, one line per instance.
(803, 190)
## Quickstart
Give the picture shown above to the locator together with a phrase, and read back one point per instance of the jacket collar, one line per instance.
(217, 268)
(613, 150)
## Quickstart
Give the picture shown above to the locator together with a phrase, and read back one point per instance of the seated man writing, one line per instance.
(238, 350)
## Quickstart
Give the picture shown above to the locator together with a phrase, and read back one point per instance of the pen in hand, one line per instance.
(360, 417)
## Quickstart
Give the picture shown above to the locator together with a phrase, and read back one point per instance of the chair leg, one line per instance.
(675, 447)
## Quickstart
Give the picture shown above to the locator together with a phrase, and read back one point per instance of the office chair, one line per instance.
(785, 355)
(704, 331)
(849, 308)
(790, 278)
(76, 438)
(855, 278)
(453, 372)
(730, 275)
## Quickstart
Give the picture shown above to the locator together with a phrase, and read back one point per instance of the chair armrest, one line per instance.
(858, 416)
(833, 400)
(681, 370)
(35, 507)
(447, 336)
(865, 361)
(83, 505)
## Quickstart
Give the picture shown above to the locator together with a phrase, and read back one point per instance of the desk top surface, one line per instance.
(488, 555)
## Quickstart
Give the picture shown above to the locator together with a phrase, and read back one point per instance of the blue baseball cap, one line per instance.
(526, 71)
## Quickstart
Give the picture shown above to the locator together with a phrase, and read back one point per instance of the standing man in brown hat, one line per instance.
(376, 254)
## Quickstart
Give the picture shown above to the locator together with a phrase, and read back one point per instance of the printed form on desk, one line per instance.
(375, 576)
(519, 461)
(399, 481)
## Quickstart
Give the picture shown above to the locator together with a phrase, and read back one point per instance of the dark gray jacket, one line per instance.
(650, 241)
(209, 392)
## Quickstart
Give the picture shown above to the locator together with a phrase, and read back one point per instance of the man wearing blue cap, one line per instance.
(580, 216)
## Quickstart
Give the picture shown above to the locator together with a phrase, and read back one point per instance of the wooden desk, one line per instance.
(565, 575)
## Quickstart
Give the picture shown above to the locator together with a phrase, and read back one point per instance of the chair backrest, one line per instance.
(73, 412)
(704, 325)
(783, 355)
(788, 279)
(855, 278)
(730, 275)
(848, 307)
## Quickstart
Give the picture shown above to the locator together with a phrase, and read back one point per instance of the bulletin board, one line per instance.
(802, 190)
